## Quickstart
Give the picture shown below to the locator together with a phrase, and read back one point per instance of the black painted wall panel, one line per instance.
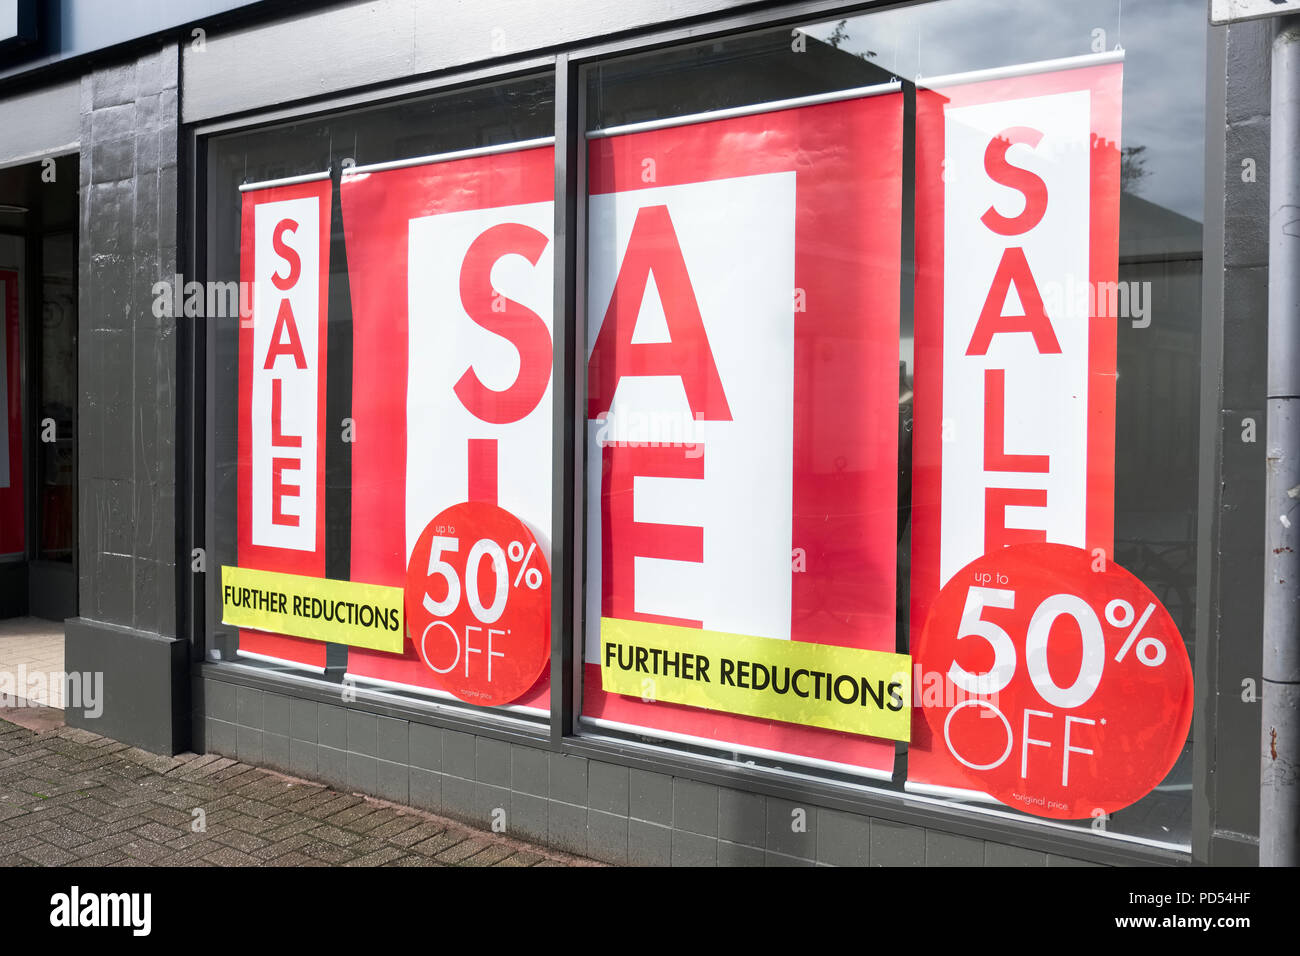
(128, 355)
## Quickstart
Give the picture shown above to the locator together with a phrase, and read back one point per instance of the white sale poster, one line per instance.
(1017, 257)
(451, 272)
(284, 260)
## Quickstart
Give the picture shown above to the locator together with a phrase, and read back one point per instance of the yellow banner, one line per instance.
(363, 615)
(840, 688)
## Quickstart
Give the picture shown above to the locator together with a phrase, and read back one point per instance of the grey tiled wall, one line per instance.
(602, 810)
(127, 356)
(126, 421)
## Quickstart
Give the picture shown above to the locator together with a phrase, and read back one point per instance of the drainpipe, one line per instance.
(1279, 788)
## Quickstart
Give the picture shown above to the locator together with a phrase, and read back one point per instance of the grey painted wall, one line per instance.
(127, 356)
(43, 122)
(378, 41)
(1235, 359)
(72, 28)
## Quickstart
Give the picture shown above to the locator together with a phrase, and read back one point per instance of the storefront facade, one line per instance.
(416, 340)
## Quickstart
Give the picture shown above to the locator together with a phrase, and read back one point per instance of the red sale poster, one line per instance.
(742, 304)
(11, 432)
(450, 264)
(1068, 690)
(284, 260)
(1017, 257)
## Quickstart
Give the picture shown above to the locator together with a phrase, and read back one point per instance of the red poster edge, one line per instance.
(296, 650)
(1105, 82)
(526, 175)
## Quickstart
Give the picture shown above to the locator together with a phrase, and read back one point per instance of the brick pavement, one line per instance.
(69, 797)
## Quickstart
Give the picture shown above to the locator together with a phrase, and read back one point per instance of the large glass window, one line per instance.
(1019, 210)
(342, 337)
(891, 371)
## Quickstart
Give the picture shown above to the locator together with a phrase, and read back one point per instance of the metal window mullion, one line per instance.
(568, 352)
(1205, 662)
(194, 481)
(206, 333)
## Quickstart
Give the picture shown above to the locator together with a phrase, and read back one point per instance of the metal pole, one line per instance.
(1279, 786)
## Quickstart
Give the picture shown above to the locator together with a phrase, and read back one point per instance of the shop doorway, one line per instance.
(38, 400)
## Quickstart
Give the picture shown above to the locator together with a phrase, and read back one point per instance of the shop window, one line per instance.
(362, 386)
(891, 387)
(882, 313)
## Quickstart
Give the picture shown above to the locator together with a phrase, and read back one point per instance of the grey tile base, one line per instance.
(606, 811)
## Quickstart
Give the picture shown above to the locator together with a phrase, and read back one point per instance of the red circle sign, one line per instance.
(1067, 691)
(478, 603)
